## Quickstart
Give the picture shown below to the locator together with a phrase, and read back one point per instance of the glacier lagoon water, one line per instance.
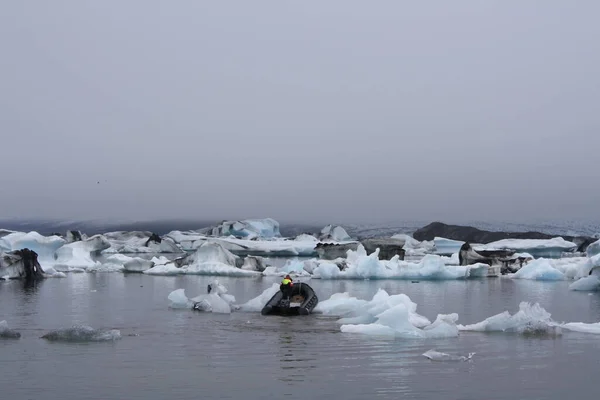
(165, 353)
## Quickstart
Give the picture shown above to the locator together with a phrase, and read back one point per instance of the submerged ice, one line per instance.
(7, 333)
(435, 355)
(82, 333)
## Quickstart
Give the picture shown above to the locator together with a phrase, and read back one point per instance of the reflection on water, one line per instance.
(186, 354)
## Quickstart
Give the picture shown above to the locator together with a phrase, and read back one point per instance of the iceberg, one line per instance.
(80, 255)
(304, 237)
(190, 241)
(588, 284)
(7, 333)
(571, 267)
(164, 267)
(413, 247)
(20, 264)
(583, 327)
(75, 236)
(216, 300)
(529, 320)
(362, 266)
(45, 247)
(139, 242)
(257, 303)
(334, 233)
(353, 310)
(540, 270)
(82, 333)
(592, 250)
(211, 258)
(254, 263)
(137, 265)
(549, 248)
(386, 315)
(168, 268)
(266, 228)
(445, 246)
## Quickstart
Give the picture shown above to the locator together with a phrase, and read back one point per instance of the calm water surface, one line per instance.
(166, 354)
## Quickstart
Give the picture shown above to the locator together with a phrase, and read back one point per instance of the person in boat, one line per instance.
(286, 286)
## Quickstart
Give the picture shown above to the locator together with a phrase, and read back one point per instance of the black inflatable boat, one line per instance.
(302, 301)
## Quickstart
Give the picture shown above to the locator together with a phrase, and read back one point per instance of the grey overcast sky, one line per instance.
(309, 111)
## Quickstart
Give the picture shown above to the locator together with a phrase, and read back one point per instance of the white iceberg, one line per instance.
(304, 237)
(137, 264)
(540, 270)
(529, 320)
(593, 249)
(354, 310)
(254, 263)
(162, 266)
(44, 246)
(362, 266)
(551, 248)
(190, 241)
(266, 228)
(571, 267)
(386, 315)
(80, 255)
(588, 284)
(334, 233)
(583, 327)
(216, 301)
(412, 247)
(445, 246)
(257, 303)
(139, 242)
(213, 259)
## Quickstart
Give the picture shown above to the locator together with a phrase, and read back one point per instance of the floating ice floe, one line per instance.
(137, 264)
(386, 315)
(396, 316)
(434, 355)
(530, 320)
(587, 284)
(82, 333)
(216, 300)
